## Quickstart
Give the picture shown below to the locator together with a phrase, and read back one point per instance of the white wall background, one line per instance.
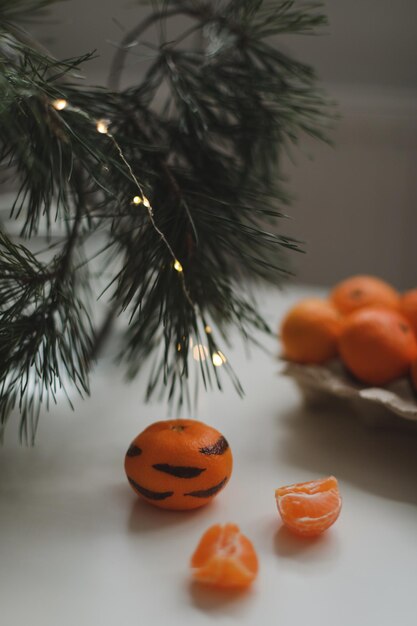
(356, 203)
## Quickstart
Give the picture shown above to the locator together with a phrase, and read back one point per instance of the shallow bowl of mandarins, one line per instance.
(358, 347)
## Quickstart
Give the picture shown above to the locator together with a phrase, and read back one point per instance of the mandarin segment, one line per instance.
(310, 330)
(178, 464)
(377, 345)
(309, 508)
(362, 291)
(225, 558)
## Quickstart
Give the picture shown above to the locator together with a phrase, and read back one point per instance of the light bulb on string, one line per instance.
(218, 359)
(177, 266)
(200, 352)
(141, 200)
(102, 126)
(59, 104)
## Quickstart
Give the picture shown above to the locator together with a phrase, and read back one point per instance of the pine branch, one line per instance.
(186, 193)
(14, 11)
(45, 332)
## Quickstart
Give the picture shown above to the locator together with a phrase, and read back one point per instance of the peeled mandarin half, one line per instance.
(224, 558)
(309, 508)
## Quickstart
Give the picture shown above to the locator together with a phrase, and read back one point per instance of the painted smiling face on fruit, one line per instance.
(178, 464)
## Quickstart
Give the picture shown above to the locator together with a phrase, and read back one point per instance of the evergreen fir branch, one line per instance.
(45, 332)
(206, 160)
(14, 11)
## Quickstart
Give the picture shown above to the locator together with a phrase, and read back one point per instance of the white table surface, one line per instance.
(78, 548)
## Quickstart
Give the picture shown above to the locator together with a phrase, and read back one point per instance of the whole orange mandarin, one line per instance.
(178, 464)
(408, 307)
(377, 345)
(310, 330)
(358, 292)
(413, 373)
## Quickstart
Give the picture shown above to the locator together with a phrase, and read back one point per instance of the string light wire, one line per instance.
(200, 352)
(102, 126)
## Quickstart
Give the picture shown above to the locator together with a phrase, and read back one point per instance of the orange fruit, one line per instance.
(310, 330)
(178, 464)
(309, 508)
(225, 558)
(358, 292)
(413, 373)
(408, 307)
(377, 345)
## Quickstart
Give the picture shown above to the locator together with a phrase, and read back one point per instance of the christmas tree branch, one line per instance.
(13, 12)
(123, 49)
(185, 191)
(45, 333)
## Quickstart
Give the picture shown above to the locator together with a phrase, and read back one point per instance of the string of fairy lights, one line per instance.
(200, 352)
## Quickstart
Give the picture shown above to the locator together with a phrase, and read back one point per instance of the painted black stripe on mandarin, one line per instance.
(151, 495)
(207, 493)
(133, 451)
(219, 447)
(180, 471)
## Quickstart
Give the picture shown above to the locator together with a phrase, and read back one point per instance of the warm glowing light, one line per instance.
(59, 104)
(200, 352)
(177, 266)
(137, 200)
(179, 347)
(218, 359)
(146, 203)
(102, 126)
(208, 329)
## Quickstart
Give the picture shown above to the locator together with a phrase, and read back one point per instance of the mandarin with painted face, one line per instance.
(178, 464)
